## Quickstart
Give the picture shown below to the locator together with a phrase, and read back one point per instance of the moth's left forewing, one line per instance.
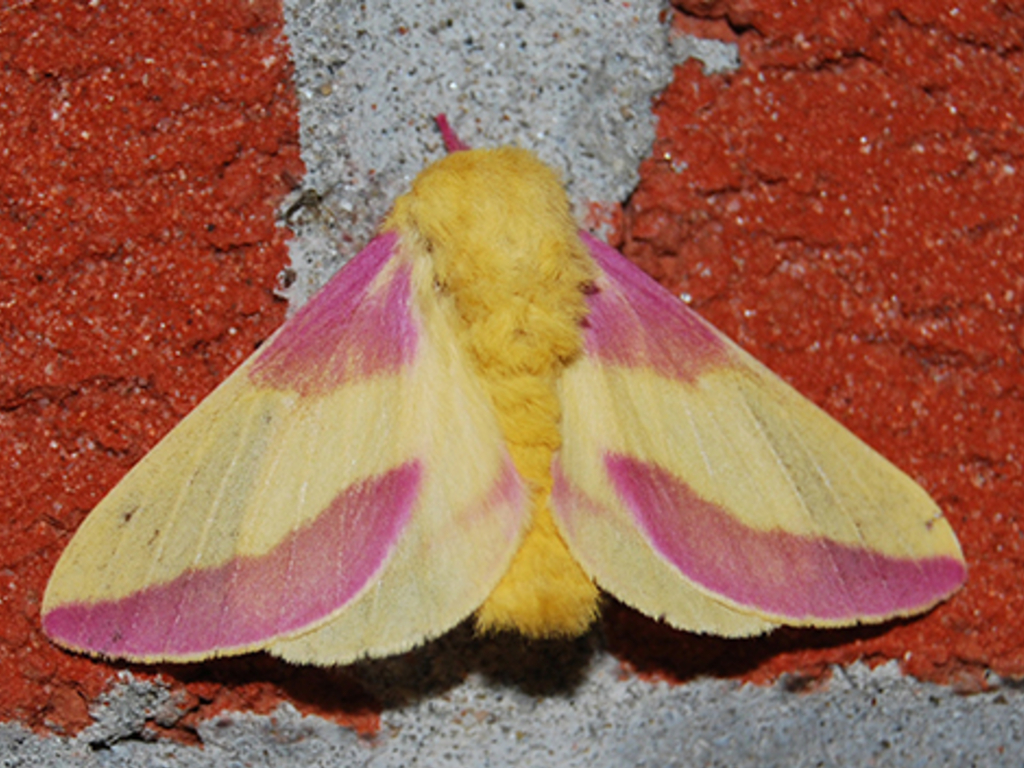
(350, 475)
(694, 484)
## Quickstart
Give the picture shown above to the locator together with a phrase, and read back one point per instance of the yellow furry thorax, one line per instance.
(506, 255)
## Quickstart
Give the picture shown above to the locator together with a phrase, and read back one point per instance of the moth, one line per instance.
(489, 412)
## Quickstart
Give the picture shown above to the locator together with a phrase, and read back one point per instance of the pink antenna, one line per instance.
(451, 141)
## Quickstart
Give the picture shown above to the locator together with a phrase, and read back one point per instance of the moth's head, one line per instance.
(492, 229)
(484, 197)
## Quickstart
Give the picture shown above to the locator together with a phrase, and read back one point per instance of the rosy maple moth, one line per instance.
(488, 412)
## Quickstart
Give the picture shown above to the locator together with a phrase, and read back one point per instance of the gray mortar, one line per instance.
(864, 717)
(570, 79)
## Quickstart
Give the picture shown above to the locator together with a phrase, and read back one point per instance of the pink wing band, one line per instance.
(310, 574)
(776, 572)
(352, 329)
(615, 333)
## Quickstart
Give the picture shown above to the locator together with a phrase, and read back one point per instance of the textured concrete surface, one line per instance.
(571, 80)
(863, 717)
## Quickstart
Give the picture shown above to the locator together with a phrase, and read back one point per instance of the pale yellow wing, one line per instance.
(697, 486)
(346, 492)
